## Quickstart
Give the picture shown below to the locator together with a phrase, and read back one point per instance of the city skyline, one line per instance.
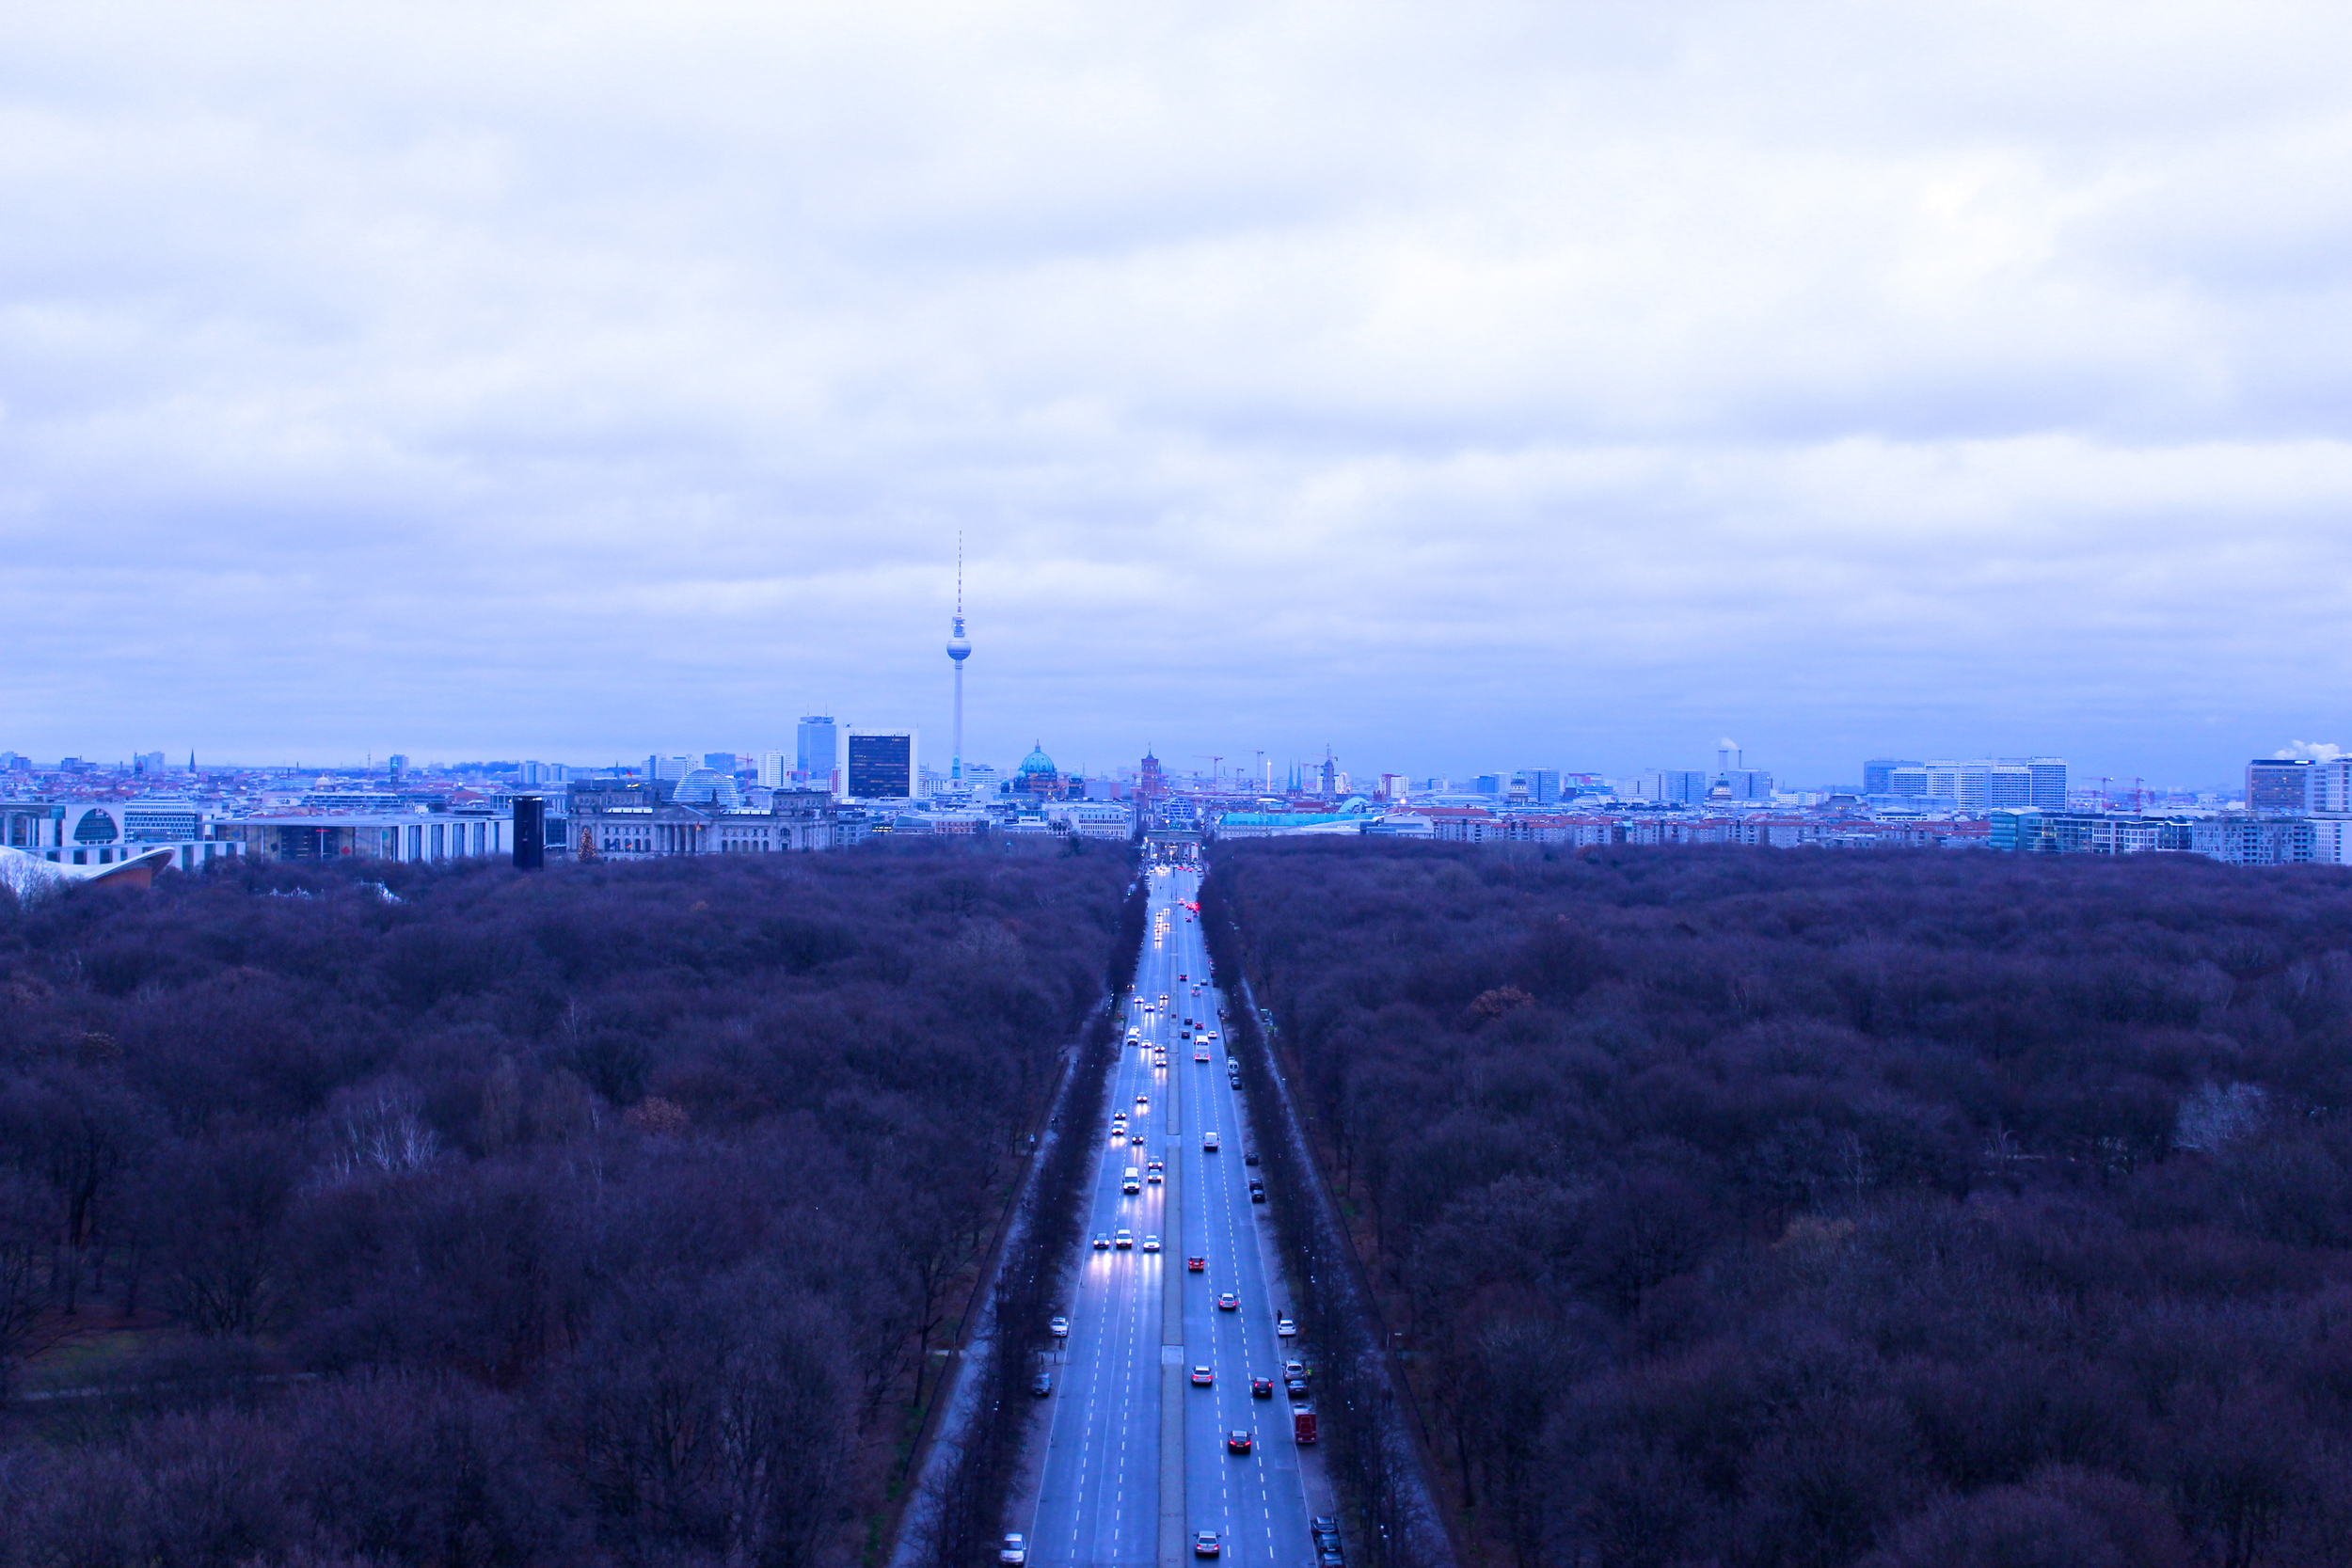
(1574, 384)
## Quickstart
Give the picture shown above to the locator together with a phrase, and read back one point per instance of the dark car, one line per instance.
(1296, 1388)
(1041, 1385)
(1250, 1157)
(1237, 1442)
(1325, 1524)
(1261, 1387)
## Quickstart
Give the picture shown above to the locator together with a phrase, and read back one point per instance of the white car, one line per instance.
(1057, 1327)
(1284, 1327)
(1016, 1550)
(1151, 1243)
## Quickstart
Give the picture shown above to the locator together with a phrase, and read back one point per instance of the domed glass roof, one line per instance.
(1036, 762)
(708, 786)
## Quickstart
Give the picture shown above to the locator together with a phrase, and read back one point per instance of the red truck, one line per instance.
(1302, 1424)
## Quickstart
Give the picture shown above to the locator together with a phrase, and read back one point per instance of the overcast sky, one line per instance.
(1460, 386)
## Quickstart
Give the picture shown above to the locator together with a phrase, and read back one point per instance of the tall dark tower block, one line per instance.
(530, 833)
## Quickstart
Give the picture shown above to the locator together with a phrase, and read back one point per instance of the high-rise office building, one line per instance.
(1877, 775)
(2331, 786)
(670, 768)
(817, 755)
(1543, 786)
(775, 769)
(1685, 786)
(2008, 783)
(2280, 784)
(2049, 781)
(722, 761)
(881, 765)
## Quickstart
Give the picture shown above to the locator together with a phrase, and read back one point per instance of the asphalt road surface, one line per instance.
(1136, 1459)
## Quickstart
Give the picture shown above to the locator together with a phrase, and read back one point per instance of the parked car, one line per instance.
(1284, 1326)
(1015, 1552)
(1041, 1385)
(1057, 1327)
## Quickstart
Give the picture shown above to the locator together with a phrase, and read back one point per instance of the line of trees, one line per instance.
(1751, 1208)
(608, 1214)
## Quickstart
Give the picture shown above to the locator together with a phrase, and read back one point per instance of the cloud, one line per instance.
(1498, 386)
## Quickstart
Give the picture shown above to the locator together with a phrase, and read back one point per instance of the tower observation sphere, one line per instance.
(958, 646)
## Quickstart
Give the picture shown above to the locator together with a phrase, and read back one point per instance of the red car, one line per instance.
(1192, 1265)
(1203, 1377)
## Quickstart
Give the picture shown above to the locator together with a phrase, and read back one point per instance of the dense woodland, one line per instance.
(605, 1214)
(1769, 1208)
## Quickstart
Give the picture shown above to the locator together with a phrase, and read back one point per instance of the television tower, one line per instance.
(959, 649)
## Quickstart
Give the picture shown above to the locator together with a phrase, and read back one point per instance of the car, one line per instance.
(1041, 1385)
(1102, 1243)
(1155, 1164)
(1151, 1243)
(1143, 1101)
(1195, 1265)
(1155, 1177)
(1125, 1240)
(1329, 1541)
(1014, 1551)
(1205, 1544)
(1261, 1387)
(1328, 1557)
(1183, 977)
(1237, 1442)
(1257, 1191)
(1228, 1302)
(1296, 1389)
(1135, 1137)
(1201, 1054)
(1294, 1369)
(1325, 1524)
(1208, 1143)
(1057, 1327)
(1203, 1377)
(1285, 1327)
(1249, 1156)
